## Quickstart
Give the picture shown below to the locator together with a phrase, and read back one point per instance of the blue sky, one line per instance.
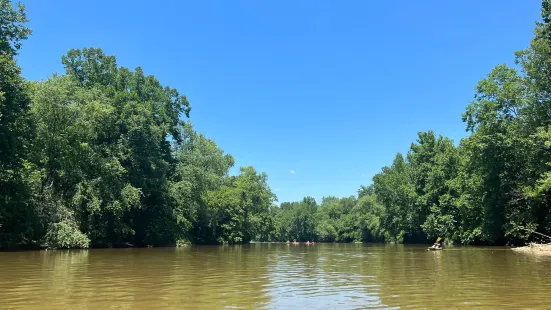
(320, 95)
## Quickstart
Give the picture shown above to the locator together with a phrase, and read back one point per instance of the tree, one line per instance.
(434, 165)
(201, 166)
(369, 214)
(336, 220)
(395, 191)
(17, 216)
(240, 207)
(298, 220)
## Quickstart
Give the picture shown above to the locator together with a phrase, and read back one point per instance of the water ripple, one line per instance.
(273, 276)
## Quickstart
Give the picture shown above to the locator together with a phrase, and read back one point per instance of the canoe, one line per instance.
(435, 249)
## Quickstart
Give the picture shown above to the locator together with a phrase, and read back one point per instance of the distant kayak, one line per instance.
(435, 249)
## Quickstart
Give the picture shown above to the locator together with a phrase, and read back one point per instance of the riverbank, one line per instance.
(39, 247)
(535, 248)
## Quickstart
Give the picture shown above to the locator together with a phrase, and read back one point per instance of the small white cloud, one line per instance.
(292, 171)
(277, 189)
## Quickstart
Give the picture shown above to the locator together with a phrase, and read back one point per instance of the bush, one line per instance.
(65, 235)
(182, 243)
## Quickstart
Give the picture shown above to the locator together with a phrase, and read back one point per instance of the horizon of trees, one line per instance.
(106, 156)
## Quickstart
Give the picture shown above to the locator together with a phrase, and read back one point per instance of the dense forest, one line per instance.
(106, 156)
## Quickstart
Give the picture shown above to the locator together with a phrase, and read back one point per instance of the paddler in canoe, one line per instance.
(437, 245)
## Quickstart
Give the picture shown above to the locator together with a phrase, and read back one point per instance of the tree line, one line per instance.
(494, 187)
(106, 156)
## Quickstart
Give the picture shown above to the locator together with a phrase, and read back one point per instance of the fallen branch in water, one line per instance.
(535, 232)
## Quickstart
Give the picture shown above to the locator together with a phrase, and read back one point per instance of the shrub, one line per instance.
(65, 235)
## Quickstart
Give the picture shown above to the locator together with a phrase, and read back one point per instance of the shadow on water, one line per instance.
(275, 276)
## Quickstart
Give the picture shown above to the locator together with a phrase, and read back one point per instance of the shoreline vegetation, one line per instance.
(104, 155)
(531, 248)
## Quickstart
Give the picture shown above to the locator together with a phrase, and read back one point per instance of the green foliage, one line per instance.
(297, 221)
(239, 208)
(110, 160)
(65, 235)
(435, 163)
(12, 23)
(337, 222)
(395, 190)
(104, 155)
(369, 214)
(17, 217)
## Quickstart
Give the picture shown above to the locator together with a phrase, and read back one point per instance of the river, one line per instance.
(275, 276)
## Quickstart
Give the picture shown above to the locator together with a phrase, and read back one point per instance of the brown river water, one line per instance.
(276, 276)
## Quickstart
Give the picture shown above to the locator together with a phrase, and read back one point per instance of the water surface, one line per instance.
(275, 276)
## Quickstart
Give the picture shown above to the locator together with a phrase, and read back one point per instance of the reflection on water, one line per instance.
(275, 276)
(303, 278)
